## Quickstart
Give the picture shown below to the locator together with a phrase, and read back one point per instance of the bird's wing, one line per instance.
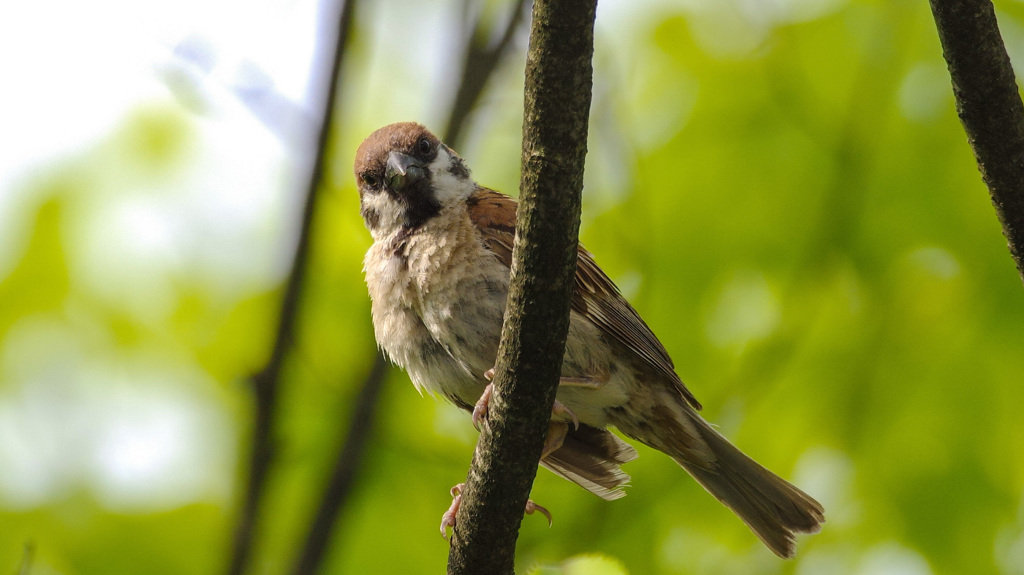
(595, 295)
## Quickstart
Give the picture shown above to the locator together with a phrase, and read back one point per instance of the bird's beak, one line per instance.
(402, 171)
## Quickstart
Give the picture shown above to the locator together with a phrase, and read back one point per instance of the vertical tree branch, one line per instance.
(989, 107)
(559, 77)
(475, 76)
(265, 383)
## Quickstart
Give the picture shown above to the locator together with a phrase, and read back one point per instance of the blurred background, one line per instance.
(781, 188)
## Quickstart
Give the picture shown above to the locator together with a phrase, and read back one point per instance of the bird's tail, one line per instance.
(774, 509)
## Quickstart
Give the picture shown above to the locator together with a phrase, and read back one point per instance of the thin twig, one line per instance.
(26, 558)
(347, 464)
(989, 107)
(265, 383)
(479, 64)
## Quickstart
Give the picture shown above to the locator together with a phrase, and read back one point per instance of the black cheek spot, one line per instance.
(458, 168)
(371, 217)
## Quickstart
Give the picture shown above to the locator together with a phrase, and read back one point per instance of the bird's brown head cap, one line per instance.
(404, 174)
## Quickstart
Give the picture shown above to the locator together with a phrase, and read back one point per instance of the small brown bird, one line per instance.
(438, 276)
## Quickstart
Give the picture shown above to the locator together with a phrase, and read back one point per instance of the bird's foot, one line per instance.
(557, 430)
(531, 507)
(560, 409)
(448, 519)
(480, 409)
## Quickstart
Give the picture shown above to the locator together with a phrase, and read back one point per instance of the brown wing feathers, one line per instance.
(595, 296)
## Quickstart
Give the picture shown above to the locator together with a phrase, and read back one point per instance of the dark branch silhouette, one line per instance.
(265, 383)
(480, 65)
(559, 77)
(26, 558)
(343, 476)
(989, 107)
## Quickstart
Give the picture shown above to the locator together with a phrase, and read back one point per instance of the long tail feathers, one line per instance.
(774, 509)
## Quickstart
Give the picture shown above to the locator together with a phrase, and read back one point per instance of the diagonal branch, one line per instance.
(989, 107)
(265, 383)
(479, 64)
(343, 476)
(559, 78)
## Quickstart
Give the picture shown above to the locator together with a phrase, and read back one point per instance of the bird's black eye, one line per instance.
(370, 180)
(424, 147)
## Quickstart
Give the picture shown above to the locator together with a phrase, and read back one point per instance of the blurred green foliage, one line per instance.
(785, 194)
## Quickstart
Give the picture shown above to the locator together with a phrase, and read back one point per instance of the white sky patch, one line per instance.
(71, 69)
(890, 558)
(39, 444)
(722, 27)
(828, 475)
(893, 559)
(1009, 545)
(936, 261)
(139, 431)
(687, 550)
(69, 73)
(73, 73)
(924, 93)
(159, 450)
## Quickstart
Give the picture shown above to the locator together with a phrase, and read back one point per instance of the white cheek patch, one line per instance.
(389, 213)
(447, 186)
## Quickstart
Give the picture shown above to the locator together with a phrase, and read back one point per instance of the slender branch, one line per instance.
(559, 78)
(27, 556)
(479, 64)
(265, 383)
(989, 107)
(339, 487)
